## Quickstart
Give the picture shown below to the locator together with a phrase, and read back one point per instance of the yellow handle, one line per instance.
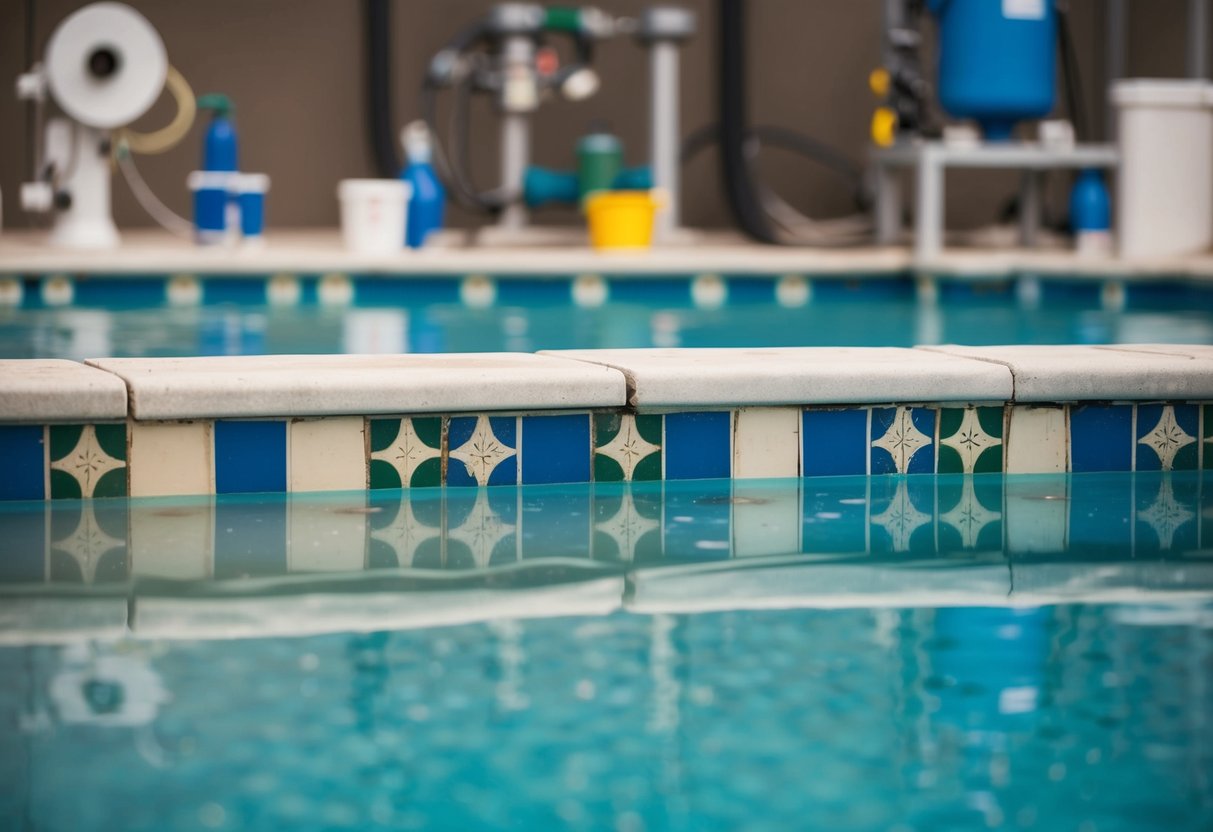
(879, 82)
(884, 126)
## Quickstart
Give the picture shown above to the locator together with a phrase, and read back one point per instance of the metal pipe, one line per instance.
(664, 135)
(1115, 30)
(1198, 38)
(518, 54)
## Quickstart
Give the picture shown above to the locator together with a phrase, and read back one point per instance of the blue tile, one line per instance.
(748, 290)
(1183, 426)
(23, 555)
(1075, 292)
(919, 455)
(698, 445)
(531, 292)
(835, 442)
(556, 448)
(555, 522)
(23, 461)
(503, 463)
(862, 287)
(698, 521)
(405, 290)
(836, 516)
(650, 291)
(250, 538)
(115, 292)
(1101, 437)
(242, 291)
(1101, 517)
(250, 457)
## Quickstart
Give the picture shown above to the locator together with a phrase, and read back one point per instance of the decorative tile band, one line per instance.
(346, 453)
(1028, 519)
(587, 290)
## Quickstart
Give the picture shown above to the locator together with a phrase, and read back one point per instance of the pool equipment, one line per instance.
(599, 168)
(505, 55)
(248, 191)
(427, 205)
(623, 220)
(1091, 213)
(220, 147)
(374, 214)
(997, 61)
(1164, 197)
(104, 66)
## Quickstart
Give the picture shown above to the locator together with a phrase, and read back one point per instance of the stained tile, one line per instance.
(698, 445)
(970, 440)
(901, 515)
(23, 460)
(1167, 437)
(766, 442)
(88, 542)
(482, 451)
(627, 447)
(250, 537)
(1167, 509)
(326, 454)
(1101, 437)
(173, 541)
(627, 523)
(87, 461)
(903, 440)
(556, 449)
(766, 518)
(836, 518)
(250, 457)
(970, 513)
(170, 459)
(481, 528)
(835, 442)
(406, 453)
(1036, 440)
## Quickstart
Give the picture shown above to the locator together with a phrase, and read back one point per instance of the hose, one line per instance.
(1075, 103)
(146, 198)
(377, 18)
(167, 137)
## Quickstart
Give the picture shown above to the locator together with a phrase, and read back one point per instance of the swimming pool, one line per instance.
(937, 653)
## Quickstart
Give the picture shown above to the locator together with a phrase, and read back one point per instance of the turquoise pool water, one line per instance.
(534, 315)
(919, 654)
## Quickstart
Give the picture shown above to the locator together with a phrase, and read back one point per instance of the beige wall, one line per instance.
(294, 69)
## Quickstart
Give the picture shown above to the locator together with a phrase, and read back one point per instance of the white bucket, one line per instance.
(1164, 194)
(373, 214)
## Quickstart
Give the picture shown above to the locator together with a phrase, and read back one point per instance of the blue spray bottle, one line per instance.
(220, 149)
(1091, 214)
(428, 202)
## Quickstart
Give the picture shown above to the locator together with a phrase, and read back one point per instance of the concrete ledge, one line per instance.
(798, 375)
(309, 385)
(1079, 373)
(54, 390)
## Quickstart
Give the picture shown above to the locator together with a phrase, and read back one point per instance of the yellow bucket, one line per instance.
(622, 220)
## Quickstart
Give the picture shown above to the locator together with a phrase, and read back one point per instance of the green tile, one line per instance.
(970, 440)
(406, 453)
(88, 461)
(623, 442)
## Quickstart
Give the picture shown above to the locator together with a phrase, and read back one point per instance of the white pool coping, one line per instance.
(107, 389)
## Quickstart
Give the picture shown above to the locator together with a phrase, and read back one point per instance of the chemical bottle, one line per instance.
(428, 202)
(219, 148)
(1091, 214)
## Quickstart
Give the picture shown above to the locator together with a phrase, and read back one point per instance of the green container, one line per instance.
(599, 162)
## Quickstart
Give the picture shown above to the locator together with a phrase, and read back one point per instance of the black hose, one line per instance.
(31, 129)
(378, 21)
(740, 189)
(703, 137)
(1075, 104)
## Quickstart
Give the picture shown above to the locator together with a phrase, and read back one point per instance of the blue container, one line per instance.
(249, 191)
(220, 147)
(997, 61)
(427, 205)
(210, 190)
(1090, 208)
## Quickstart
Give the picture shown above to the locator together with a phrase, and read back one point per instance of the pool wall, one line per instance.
(264, 424)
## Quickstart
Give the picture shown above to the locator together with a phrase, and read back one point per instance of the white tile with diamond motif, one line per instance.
(902, 440)
(87, 462)
(971, 440)
(628, 447)
(482, 452)
(1166, 438)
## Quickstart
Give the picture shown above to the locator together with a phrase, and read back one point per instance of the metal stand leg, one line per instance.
(888, 205)
(928, 214)
(1030, 207)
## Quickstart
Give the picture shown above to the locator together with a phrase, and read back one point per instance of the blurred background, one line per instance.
(296, 72)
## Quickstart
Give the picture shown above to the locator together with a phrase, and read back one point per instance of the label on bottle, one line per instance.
(1023, 9)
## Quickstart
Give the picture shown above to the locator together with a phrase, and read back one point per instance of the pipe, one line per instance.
(378, 19)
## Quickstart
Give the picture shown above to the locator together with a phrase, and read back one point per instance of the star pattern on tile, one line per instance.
(482, 452)
(901, 519)
(969, 516)
(481, 531)
(970, 440)
(626, 526)
(628, 447)
(87, 543)
(1167, 438)
(407, 452)
(87, 462)
(406, 534)
(902, 440)
(1165, 515)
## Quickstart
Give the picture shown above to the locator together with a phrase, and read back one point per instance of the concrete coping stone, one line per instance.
(57, 390)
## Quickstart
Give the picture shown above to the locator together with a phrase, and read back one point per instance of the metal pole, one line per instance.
(1114, 59)
(518, 50)
(665, 136)
(1198, 39)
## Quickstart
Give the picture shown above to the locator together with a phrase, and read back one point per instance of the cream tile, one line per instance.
(766, 519)
(766, 442)
(327, 454)
(171, 458)
(1036, 440)
(328, 536)
(1037, 516)
(173, 540)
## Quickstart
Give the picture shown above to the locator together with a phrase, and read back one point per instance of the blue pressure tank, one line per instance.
(997, 61)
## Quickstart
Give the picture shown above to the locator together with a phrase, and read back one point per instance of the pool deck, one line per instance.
(320, 251)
